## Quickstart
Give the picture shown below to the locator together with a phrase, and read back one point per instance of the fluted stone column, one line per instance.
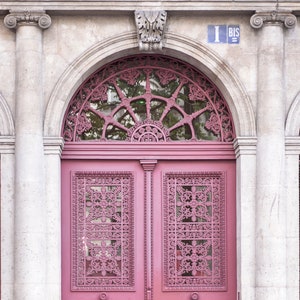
(270, 167)
(30, 223)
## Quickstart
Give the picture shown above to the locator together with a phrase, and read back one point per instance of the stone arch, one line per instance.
(293, 118)
(6, 119)
(190, 51)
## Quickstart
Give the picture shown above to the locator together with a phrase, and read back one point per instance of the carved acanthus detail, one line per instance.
(26, 17)
(275, 17)
(150, 28)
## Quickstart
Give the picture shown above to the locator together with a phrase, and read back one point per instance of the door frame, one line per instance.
(187, 151)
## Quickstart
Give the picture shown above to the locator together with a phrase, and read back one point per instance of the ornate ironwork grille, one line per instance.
(102, 231)
(194, 231)
(148, 98)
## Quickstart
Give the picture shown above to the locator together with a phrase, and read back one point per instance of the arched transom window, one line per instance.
(148, 98)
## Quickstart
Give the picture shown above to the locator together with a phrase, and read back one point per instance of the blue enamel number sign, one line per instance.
(222, 34)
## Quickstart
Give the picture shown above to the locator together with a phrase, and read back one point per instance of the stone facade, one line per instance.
(48, 48)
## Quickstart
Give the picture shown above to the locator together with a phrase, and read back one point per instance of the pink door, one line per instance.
(102, 233)
(194, 254)
(148, 230)
(148, 185)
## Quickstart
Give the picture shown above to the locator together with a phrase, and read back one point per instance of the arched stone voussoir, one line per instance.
(176, 46)
(292, 127)
(6, 120)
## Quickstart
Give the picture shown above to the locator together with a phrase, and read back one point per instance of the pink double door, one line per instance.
(148, 230)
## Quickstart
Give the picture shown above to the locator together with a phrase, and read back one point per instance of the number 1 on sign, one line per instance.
(217, 34)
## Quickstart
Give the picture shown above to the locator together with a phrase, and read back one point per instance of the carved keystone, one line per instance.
(150, 28)
(26, 17)
(275, 17)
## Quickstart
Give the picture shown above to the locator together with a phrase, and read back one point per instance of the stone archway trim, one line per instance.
(207, 61)
(292, 127)
(6, 119)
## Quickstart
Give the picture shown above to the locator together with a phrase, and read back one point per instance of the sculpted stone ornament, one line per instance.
(26, 17)
(279, 17)
(150, 28)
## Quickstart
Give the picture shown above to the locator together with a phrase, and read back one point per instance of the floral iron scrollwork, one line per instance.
(147, 99)
(194, 231)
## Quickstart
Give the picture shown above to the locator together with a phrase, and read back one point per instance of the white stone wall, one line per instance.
(76, 44)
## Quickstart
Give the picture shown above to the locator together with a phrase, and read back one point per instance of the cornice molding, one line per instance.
(273, 17)
(94, 7)
(27, 17)
(53, 145)
(7, 144)
(292, 145)
(123, 150)
(245, 146)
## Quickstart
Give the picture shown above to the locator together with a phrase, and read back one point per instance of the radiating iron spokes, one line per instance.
(131, 91)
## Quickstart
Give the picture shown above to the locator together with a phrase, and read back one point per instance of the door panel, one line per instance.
(194, 222)
(100, 238)
(106, 228)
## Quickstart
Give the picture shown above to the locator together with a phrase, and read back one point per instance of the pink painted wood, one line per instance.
(182, 245)
(87, 238)
(148, 185)
(194, 249)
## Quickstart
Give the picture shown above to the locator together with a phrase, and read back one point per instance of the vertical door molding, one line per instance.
(7, 147)
(245, 149)
(148, 166)
(292, 203)
(52, 149)
(7, 219)
(292, 148)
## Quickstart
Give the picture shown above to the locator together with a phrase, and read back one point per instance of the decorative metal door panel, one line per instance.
(194, 231)
(194, 255)
(102, 238)
(149, 230)
(102, 230)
